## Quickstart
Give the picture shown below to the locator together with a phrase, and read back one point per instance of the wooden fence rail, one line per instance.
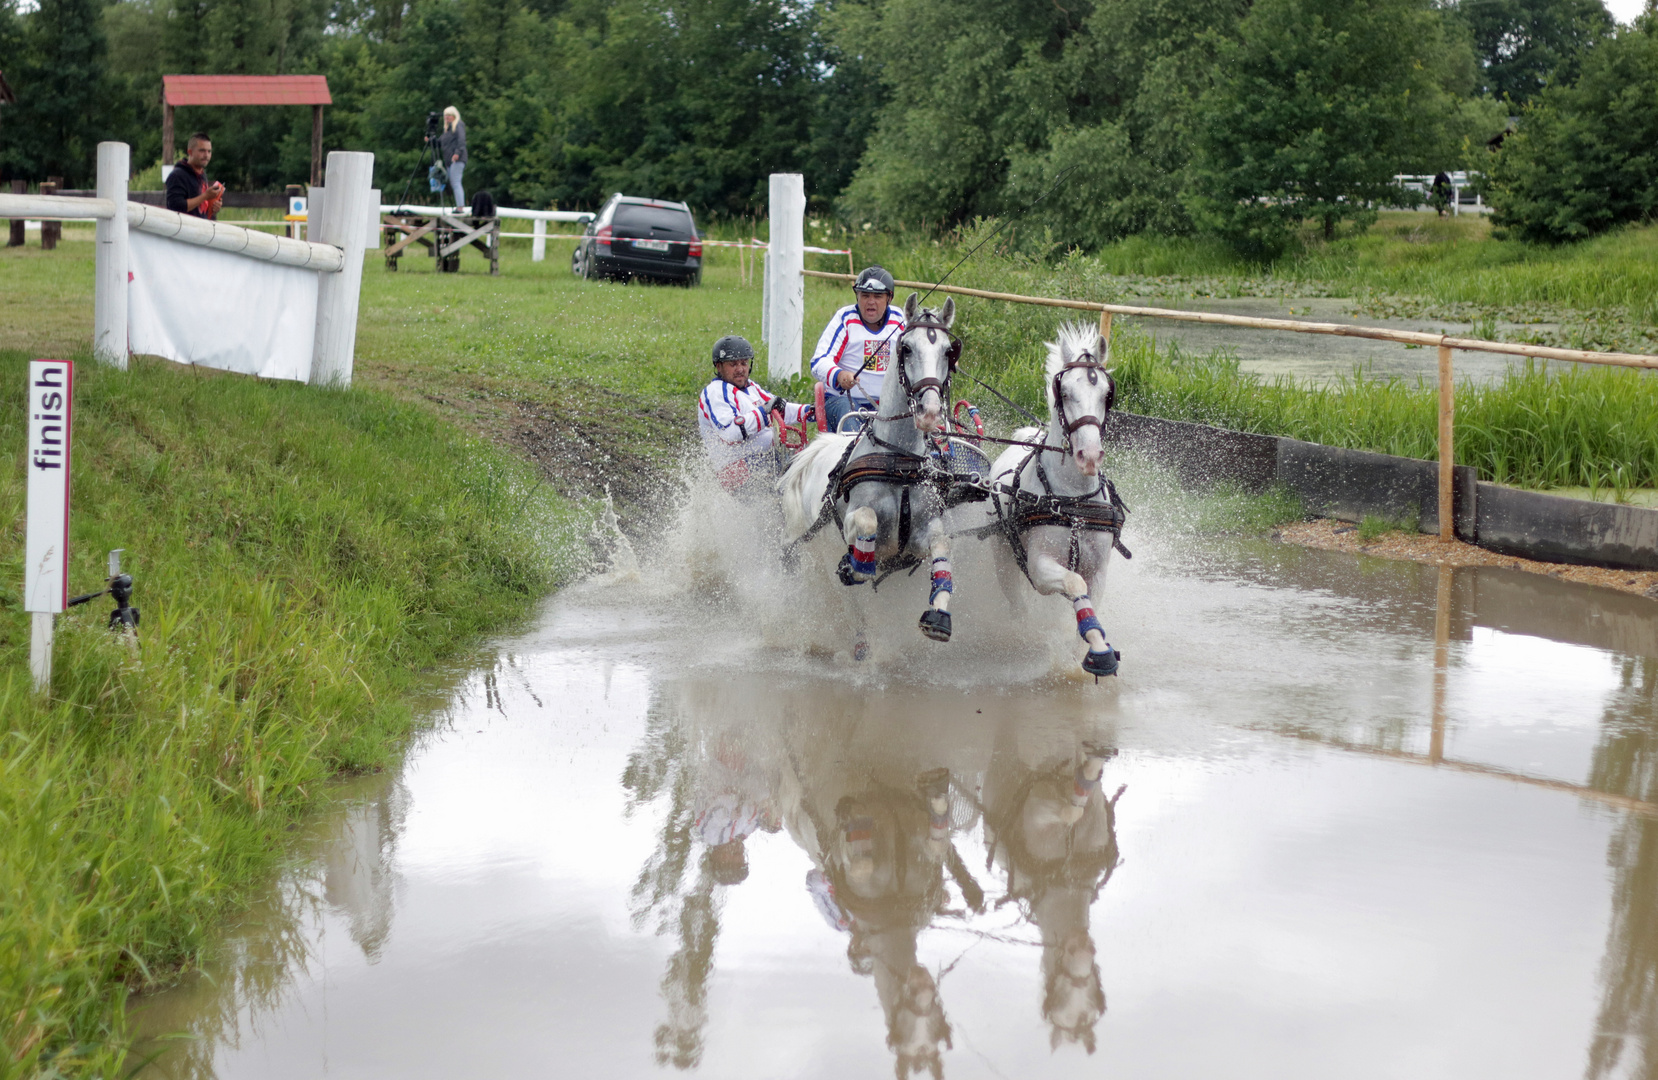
(1445, 343)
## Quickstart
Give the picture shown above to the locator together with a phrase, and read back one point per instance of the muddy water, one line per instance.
(1352, 818)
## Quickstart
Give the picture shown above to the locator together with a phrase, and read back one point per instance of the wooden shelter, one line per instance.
(309, 90)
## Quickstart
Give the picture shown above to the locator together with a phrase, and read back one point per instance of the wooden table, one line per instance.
(443, 235)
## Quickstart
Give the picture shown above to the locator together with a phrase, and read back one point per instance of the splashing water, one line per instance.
(624, 561)
(711, 570)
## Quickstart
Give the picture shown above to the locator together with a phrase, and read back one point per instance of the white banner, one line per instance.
(46, 547)
(219, 309)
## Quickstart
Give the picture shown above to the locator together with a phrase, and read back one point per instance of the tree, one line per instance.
(1317, 104)
(687, 99)
(62, 93)
(1522, 44)
(1586, 156)
(846, 100)
(968, 85)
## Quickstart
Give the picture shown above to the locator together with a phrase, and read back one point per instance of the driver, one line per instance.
(735, 416)
(852, 354)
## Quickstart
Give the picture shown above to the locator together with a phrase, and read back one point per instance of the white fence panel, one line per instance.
(221, 310)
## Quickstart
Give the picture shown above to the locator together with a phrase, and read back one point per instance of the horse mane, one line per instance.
(1072, 339)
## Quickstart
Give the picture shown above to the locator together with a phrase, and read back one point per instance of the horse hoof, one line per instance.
(860, 651)
(936, 624)
(1103, 662)
(844, 571)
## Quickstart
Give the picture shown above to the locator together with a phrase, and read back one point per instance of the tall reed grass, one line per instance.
(305, 561)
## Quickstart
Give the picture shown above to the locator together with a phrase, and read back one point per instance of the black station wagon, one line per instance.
(646, 238)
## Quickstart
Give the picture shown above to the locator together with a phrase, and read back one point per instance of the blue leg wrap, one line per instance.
(943, 582)
(1086, 623)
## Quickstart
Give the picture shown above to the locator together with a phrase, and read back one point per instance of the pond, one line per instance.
(1337, 817)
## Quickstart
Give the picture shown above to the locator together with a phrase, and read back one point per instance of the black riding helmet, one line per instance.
(873, 279)
(732, 347)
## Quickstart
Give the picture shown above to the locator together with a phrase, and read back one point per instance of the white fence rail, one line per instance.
(337, 254)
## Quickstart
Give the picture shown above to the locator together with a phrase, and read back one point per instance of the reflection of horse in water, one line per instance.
(1053, 832)
(880, 849)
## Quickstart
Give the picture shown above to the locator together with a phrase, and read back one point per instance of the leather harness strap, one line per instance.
(1078, 513)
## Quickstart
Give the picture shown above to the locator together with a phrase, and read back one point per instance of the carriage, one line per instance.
(959, 452)
(889, 487)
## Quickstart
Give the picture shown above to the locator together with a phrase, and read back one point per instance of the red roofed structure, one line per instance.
(309, 90)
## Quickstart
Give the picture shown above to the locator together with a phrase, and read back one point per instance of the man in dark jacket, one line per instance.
(188, 191)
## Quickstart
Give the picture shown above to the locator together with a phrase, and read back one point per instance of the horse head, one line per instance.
(927, 355)
(1074, 1000)
(917, 1027)
(1080, 393)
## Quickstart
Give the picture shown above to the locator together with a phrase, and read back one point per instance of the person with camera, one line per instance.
(188, 191)
(451, 150)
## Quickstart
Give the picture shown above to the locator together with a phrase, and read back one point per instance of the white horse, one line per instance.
(1058, 514)
(887, 495)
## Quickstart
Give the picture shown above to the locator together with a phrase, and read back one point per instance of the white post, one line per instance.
(786, 287)
(40, 649)
(345, 210)
(50, 414)
(109, 305)
(538, 246)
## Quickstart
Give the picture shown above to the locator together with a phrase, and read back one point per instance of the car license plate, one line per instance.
(651, 245)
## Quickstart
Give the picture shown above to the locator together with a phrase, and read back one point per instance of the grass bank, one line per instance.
(304, 561)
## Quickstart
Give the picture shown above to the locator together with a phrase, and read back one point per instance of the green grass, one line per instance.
(305, 561)
(1372, 527)
(1590, 427)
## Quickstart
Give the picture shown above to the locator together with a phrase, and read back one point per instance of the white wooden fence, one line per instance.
(345, 224)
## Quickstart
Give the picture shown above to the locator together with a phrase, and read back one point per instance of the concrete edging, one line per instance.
(1349, 484)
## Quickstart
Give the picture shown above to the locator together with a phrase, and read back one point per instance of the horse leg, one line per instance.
(1050, 577)
(935, 621)
(862, 532)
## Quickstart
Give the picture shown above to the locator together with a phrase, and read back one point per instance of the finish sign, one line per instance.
(46, 552)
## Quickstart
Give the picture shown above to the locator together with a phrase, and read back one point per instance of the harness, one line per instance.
(1101, 510)
(897, 465)
(1085, 362)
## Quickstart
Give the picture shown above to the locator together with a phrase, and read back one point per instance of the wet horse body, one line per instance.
(883, 486)
(1057, 514)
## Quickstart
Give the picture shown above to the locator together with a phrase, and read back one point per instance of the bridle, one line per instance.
(1084, 362)
(952, 354)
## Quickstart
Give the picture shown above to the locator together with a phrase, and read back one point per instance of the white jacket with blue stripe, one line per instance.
(736, 424)
(846, 344)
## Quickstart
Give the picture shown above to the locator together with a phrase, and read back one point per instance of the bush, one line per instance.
(1586, 156)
